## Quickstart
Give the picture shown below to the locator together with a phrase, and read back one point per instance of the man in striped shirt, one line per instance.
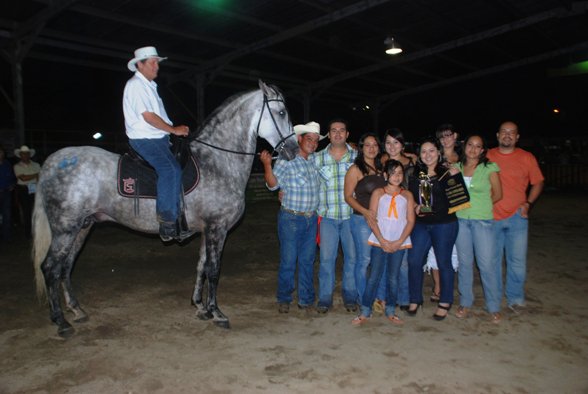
(298, 179)
(335, 225)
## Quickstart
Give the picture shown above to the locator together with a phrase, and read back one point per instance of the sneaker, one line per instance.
(305, 307)
(283, 308)
(351, 307)
(517, 309)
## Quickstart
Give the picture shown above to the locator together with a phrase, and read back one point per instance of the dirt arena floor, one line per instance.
(143, 335)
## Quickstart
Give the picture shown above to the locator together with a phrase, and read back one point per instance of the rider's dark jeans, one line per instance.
(169, 175)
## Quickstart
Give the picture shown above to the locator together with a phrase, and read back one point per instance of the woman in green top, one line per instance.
(476, 235)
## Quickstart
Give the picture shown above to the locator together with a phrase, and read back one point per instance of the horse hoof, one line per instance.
(82, 319)
(204, 315)
(222, 324)
(65, 331)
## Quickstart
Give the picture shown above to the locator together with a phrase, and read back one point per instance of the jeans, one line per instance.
(332, 231)
(442, 237)
(169, 175)
(511, 240)
(27, 202)
(297, 235)
(476, 238)
(403, 297)
(361, 231)
(390, 262)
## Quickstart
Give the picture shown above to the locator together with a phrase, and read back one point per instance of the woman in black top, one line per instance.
(362, 178)
(437, 228)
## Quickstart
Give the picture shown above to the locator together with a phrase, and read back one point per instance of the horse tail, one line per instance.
(41, 241)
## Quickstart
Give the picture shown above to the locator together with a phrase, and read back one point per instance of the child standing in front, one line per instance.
(395, 213)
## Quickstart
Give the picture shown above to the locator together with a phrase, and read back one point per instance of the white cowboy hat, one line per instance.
(310, 127)
(142, 54)
(24, 149)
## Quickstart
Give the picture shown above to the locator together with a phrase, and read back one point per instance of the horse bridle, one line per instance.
(279, 146)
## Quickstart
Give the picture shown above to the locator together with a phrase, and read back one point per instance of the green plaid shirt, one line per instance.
(332, 203)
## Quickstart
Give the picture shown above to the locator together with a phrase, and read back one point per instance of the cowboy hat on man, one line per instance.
(24, 149)
(310, 127)
(143, 53)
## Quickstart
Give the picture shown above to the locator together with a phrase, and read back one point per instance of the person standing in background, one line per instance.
(27, 173)
(518, 170)
(7, 184)
(332, 164)
(364, 176)
(476, 238)
(298, 179)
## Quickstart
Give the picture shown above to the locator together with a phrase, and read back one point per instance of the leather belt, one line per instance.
(298, 213)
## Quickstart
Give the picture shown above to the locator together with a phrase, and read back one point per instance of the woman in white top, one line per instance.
(395, 212)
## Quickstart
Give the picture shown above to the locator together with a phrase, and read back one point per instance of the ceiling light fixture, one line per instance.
(392, 48)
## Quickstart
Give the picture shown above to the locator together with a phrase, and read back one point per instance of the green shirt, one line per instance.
(480, 191)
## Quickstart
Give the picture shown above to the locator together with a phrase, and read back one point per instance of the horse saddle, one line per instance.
(137, 179)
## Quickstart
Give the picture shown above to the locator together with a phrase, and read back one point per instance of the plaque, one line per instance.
(456, 191)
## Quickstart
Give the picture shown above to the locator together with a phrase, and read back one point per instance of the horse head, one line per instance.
(274, 123)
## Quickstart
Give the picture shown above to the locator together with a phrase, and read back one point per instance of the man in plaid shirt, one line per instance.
(335, 224)
(297, 221)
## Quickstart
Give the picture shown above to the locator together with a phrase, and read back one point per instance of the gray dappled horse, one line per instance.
(78, 187)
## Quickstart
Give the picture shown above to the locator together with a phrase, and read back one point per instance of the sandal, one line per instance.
(359, 320)
(379, 306)
(441, 317)
(395, 320)
(496, 318)
(462, 312)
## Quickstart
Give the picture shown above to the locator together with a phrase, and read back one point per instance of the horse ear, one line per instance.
(264, 88)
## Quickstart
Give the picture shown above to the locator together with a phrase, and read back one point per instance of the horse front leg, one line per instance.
(215, 241)
(197, 297)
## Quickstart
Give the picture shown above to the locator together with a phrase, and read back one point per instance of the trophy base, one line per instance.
(426, 211)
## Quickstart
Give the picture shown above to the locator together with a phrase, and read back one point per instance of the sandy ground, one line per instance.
(143, 335)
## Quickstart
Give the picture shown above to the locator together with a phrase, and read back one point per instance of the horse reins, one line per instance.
(279, 146)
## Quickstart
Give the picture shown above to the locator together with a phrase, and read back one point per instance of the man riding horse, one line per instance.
(148, 128)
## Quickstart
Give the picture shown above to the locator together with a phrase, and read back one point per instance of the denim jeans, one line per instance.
(27, 203)
(390, 263)
(442, 237)
(361, 231)
(297, 235)
(511, 242)
(332, 231)
(476, 238)
(403, 297)
(169, 175)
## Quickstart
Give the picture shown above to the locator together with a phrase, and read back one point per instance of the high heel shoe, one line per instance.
(413, 312)
(441, 317)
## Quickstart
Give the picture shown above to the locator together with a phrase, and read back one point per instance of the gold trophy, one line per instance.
(425, 194)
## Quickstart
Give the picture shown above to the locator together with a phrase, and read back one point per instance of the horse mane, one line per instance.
(211, 119)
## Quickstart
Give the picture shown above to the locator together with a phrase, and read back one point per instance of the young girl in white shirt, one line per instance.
(395, 212)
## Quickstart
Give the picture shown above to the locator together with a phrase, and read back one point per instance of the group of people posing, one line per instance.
(394, 219)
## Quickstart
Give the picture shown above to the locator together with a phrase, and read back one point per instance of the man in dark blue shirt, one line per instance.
(7, 182)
